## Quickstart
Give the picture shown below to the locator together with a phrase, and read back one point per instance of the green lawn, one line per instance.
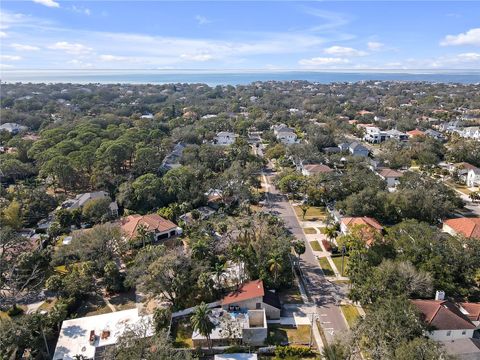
(351, 314)
(309, 230)
(313, 213)
(338, 264)
(462, 188)
(183, 334)
(315, 246)
(325, 265)
(283, 334)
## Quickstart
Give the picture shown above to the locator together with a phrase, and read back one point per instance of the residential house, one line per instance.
(472, 310)
(242, 316)
(461, 170)
(314, 169)
(204, 212)
(81, 199)
(435, 134)
(472, 132)
(414, 133)
(285, 134)
(153, 223)
(392, 177)
(225, 138)
(397, 135)
(445, 319)
(89, 337)
(147, 116)
(172, 160)
(468, 227)
(236, 356)
(374, 135)
(13, 128)
(473, 177)
(370, 226)
(357, 149)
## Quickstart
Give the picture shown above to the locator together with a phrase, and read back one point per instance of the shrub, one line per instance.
(286, 352)
(326, 245)
(14, 311)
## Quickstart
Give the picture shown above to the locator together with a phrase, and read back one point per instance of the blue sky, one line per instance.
(322, 35)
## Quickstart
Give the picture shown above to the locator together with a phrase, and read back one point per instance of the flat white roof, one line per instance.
(75, 333)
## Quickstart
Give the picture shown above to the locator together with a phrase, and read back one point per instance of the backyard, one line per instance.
(284, 334)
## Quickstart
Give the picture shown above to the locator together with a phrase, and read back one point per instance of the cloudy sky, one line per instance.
(63, 34)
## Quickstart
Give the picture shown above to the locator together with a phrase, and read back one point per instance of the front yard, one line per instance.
(337, 260)
(284, 334)
(314, 213)
(325, 265)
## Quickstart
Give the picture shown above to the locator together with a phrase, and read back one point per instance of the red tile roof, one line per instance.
(247, 291)
(469, 227)
(473, 310)
(153, 222)
(365, 220)
(415, 132)
(443, 315)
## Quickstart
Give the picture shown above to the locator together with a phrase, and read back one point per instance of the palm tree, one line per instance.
(331, 233)
(219, 270)
(202, 323)
(275, 266)
(239, 256)
(143, 235)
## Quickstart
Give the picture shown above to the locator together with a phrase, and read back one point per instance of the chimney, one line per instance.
(440, 295)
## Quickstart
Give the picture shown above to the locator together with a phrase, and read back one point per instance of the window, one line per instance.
(258, 305)
(449, 333)
(464, 332)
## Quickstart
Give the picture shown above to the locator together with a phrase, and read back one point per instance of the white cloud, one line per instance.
(202, 20)
(70, 48)
(197, 57)
(471, 37)
(10, 57)
(6, 66)
(108, 57)
(344, 51)
(3, 35)
(81, 10)
(80, 64)
(468, 57)
(49, 3)
(318, 61)
(375, 45)
(23, 47)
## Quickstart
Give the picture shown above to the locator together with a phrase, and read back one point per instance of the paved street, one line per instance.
(324, 294)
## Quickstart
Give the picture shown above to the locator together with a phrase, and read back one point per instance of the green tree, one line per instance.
(202, 323)
(97, 210)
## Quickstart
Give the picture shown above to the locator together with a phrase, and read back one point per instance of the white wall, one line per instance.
(441, 335)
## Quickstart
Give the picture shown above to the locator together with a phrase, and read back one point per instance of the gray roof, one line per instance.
(12, 127)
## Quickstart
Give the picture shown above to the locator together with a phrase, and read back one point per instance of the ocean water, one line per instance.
(228, 78)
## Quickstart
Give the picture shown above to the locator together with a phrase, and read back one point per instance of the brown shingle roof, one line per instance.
(247, 291)
(317, 168)
(473, 310)
(389, 173)
(469, 227)
(415, 132)
(443, 315)
(153, 222)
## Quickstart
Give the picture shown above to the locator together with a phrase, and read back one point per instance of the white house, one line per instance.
(89, 336)
(472, 132)
(225, 138)
(473, 177)
(374, 135)
(391, 177)
(285, 134)
(446, 319)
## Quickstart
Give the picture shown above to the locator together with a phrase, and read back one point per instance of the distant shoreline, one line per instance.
(233, 77)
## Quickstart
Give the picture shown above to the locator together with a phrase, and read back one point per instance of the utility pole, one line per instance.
(343, 257)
